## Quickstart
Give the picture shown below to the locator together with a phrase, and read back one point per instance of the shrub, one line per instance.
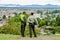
(13, 27)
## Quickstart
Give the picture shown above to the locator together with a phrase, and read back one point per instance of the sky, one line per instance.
(30, 2)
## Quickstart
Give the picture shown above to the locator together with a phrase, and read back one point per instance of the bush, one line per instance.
(13, 27)
(10, 29)
(57, 29)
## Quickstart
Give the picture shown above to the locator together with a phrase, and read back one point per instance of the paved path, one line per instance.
(40, 38)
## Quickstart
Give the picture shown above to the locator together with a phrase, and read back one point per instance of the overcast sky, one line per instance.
(29, 2)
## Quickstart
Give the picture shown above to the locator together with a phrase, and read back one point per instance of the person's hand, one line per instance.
(38, 26)
(32, 23)
(27, 24)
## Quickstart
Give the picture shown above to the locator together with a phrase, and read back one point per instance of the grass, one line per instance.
(8, 37)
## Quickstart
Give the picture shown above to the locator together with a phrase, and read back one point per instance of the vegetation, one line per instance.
(13, 27)
(8, 37)
(58, 20)
(13, 24)
(4, 16)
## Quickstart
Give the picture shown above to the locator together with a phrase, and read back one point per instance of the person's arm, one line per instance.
(28, 21)
(36, 21)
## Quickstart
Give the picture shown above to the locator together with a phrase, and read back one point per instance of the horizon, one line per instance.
(28, 4)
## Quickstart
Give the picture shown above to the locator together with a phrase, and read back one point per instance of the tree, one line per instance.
(4, 16)
(40, 12)
(58, 20)
(15, 13)
(53, 22)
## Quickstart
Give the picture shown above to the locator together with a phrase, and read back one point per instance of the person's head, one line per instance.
(32, 13)
(24, 12)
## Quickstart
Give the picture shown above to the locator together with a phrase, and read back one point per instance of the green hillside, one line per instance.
(13, 26)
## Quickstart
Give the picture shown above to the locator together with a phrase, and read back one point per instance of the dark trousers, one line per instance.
(32, 29)
(23, 29)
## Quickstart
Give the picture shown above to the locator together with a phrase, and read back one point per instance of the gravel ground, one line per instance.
(40, 38)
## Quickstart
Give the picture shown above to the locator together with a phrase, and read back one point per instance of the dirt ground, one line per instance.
(39, 38)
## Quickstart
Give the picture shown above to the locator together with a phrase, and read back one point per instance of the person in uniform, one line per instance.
(32, 23)
(23, 23)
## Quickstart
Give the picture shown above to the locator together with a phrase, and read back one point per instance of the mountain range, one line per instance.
(30, 6)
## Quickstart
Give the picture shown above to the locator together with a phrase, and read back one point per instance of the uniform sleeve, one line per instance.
(28, 19)
(36, 21)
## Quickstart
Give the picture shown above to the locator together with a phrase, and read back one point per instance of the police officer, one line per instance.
(31, 21)
(23, 23)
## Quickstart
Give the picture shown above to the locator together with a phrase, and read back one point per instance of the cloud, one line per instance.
(9, 1)
(28, 2)
(58, 0)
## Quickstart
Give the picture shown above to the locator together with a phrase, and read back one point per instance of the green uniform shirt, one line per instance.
(22, 17)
